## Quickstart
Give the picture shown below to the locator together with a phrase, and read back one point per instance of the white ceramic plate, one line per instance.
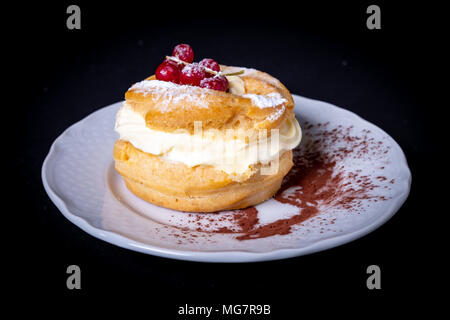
(79, 177)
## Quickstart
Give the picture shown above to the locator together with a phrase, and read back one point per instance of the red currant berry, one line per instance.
(210, 64)
(216, 83)
(183, 52)
(192, 74)
(168, 71)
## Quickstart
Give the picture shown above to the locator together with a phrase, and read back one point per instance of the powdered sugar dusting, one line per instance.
(171, 93)
(266, 101)
(274, 116)
(191, 69)
(147, 86)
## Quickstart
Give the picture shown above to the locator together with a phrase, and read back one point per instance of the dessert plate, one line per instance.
(349, 177)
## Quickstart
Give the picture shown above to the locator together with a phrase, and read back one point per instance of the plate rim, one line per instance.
(231, 256)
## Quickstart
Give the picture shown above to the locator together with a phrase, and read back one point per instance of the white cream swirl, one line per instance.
(233, 151)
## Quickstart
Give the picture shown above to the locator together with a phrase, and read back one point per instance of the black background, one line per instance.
(319, 50)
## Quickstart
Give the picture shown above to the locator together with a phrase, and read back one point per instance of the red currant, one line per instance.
(183, 52)
(192, 74)
(179, 66)
(168, 71)
(210, 64)
(216, 83)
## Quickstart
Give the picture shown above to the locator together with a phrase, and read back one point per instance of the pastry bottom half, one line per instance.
(195, 189)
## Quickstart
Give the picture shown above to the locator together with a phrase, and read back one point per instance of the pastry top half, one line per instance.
(264, 103)
(235, 132)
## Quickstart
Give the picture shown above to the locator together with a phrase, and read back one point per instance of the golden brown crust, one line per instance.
(200, 189)
(186, 104)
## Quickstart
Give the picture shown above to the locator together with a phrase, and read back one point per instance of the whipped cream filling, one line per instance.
(232, 151)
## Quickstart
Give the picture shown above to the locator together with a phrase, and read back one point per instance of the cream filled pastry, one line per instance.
(205, 139)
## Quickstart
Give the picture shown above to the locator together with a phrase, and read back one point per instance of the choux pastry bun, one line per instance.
(203, 137)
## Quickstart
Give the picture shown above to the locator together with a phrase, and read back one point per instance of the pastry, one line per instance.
(204, 137)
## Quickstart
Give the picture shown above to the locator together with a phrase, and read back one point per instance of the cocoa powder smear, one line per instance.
(322, 177)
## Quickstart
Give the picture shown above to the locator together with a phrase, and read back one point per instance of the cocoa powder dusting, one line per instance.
(320, 178)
